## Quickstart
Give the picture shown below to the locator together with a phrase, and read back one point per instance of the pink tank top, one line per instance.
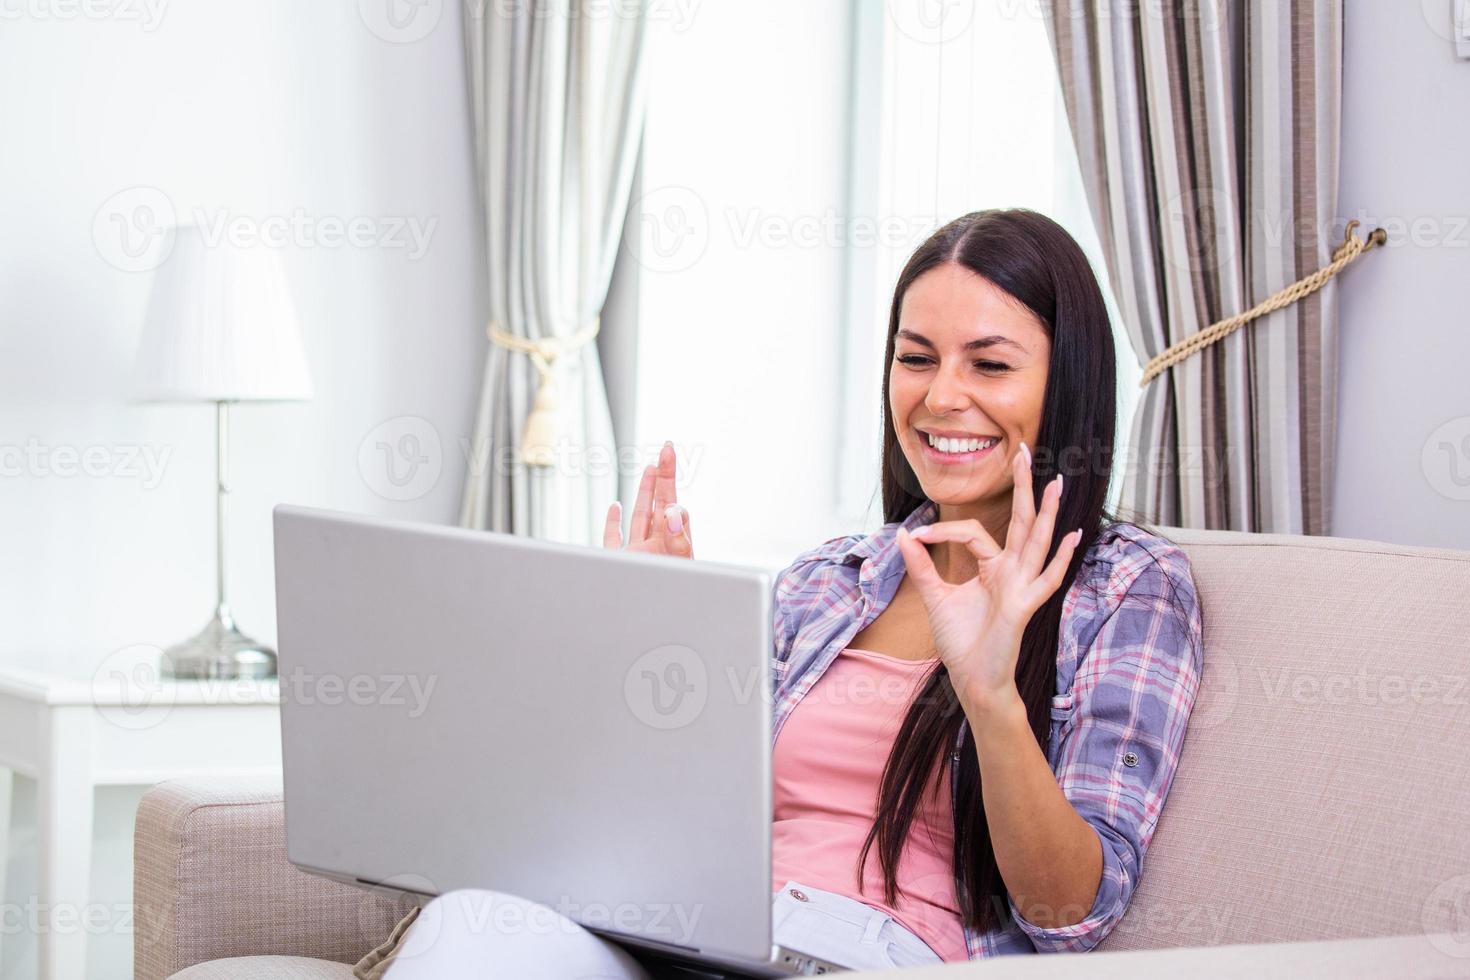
(826, 766)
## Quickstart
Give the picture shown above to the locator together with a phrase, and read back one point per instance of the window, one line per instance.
(794, 156)
(971, 118)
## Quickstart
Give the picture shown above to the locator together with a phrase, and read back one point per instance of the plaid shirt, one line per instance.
(1128, 667)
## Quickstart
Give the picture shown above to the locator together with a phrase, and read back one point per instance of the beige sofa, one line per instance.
(1323, 795)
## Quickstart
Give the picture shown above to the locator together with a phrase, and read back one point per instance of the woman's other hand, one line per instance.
(660, 524)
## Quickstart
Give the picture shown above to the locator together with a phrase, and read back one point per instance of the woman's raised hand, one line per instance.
(978, 624)
(660, 524)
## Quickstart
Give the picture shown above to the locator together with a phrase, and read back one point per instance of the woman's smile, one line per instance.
(946, 450)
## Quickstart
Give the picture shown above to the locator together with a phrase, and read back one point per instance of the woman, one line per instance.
(1001, 623)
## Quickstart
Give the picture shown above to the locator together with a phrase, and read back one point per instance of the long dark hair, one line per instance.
(1032, 259)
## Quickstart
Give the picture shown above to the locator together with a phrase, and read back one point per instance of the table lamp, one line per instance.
(220, 328)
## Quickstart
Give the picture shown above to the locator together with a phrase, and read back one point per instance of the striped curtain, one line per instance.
(557, 108)
(1208, 134)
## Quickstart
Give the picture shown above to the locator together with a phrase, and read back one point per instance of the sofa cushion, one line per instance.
(266, 968)
(1323, 783)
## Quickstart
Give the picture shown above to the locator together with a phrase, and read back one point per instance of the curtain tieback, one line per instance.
(543, 425)
(1346, 254)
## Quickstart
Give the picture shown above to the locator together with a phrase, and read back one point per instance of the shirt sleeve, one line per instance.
(1134, 687)
(780, 629)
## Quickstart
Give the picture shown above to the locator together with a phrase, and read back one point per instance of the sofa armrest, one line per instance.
(1414, 957)
(211, 879)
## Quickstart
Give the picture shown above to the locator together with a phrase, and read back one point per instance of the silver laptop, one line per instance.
(583, 728)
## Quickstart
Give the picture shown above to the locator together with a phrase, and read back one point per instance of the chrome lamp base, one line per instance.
(219, 652)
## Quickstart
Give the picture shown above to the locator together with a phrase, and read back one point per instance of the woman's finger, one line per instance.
(663, 491)
(1023, 500)
(665, 482)
(920, 567)
(612, 528)
(1038, 542)
(680, 538)
(642, 508)
(972, 533)
(1046, 585)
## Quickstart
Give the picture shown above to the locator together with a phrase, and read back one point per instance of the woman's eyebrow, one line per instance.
(994, 340)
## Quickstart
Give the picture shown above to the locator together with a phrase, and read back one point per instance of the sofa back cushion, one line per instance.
(1324, 785)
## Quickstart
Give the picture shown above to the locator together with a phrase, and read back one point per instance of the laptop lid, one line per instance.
(588, 729)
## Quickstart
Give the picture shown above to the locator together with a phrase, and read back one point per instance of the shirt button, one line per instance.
(799, 896)
(1131, 759)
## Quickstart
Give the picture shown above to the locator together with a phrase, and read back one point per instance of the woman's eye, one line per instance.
(915, 360)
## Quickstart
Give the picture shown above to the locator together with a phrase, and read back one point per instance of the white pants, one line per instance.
(476, 933)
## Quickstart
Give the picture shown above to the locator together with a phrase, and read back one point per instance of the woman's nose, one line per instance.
(946, 393)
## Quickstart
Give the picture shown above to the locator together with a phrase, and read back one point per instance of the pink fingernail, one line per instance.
(675, 518)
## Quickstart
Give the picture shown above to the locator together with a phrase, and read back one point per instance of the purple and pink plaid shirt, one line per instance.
(1128, 667)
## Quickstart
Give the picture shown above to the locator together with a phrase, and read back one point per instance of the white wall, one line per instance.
(1403, 472)
(246, 110)
(741, 270)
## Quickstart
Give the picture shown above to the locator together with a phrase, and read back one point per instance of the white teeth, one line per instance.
(945, 445)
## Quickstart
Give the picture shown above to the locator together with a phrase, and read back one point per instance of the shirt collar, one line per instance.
(882, 544)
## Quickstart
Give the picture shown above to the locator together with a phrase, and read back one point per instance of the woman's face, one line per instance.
(969, 366)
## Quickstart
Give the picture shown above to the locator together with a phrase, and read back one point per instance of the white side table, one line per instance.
(122, 727)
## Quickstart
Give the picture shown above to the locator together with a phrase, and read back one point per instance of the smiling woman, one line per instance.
(1000, 574)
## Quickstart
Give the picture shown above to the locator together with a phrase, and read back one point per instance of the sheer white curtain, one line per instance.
(557, 103)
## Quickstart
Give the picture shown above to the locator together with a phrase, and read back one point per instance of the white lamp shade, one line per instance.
(220, 327)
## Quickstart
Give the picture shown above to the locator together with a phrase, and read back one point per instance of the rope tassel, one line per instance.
(546, 423)
(1351, 249)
